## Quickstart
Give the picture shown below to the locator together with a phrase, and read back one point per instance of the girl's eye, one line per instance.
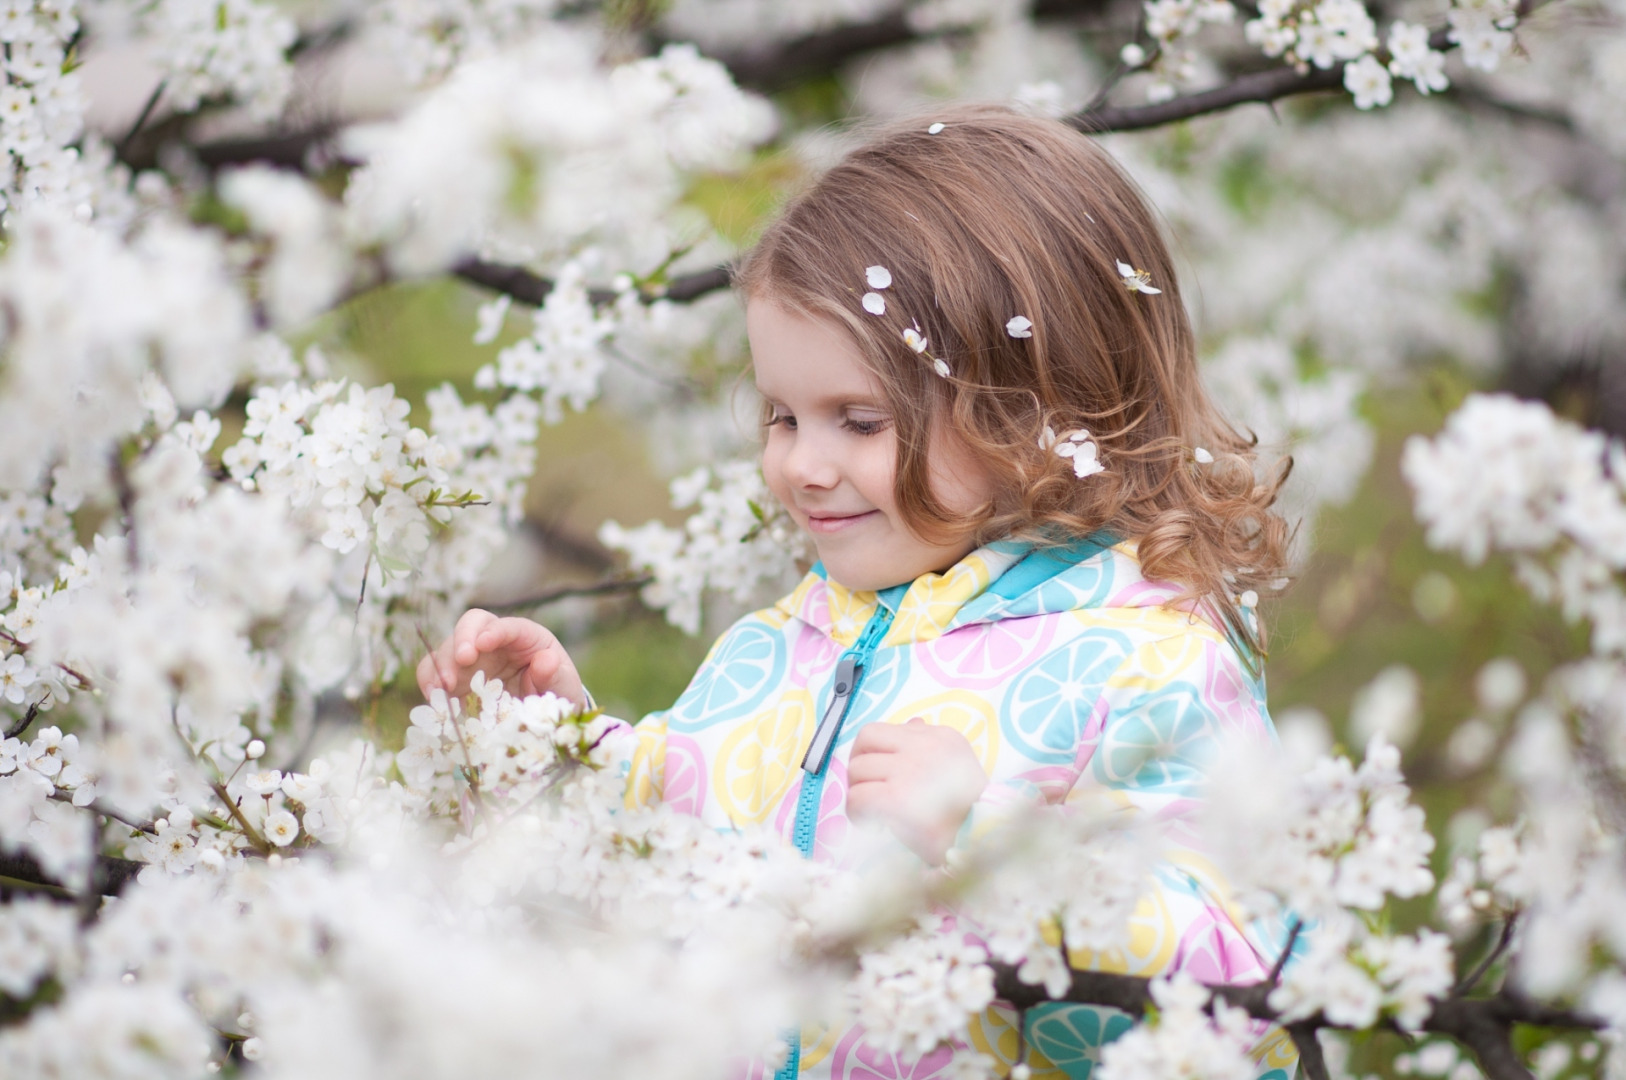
(785, 419)
(865, 427)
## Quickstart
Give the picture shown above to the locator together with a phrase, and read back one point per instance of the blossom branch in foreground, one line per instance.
(1483, 1025)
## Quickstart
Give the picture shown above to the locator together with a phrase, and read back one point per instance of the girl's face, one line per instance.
(831, 453)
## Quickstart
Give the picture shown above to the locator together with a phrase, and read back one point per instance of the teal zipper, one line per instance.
(816, 763)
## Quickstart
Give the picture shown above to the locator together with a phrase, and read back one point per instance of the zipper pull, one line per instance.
(824, 739)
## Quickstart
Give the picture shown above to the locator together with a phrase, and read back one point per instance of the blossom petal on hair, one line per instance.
(1203, 456)
(879, 277)
(1047, 437)
(935, 128)
(875, 303)
(1019, 327)
(1136, 280)
(1077, 446)
(914, 339)
(940, 366)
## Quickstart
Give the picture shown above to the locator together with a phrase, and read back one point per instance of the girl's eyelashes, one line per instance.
(865, 427)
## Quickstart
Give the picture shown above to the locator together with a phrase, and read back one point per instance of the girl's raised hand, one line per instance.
(921, 780)
(524, 655)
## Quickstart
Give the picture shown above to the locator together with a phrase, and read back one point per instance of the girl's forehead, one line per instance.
(815, 359)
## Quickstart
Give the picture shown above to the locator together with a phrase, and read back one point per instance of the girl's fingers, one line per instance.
(465, 650)
(868, 768)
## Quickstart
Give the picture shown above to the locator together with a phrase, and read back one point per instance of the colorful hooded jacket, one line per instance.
(1067, 675)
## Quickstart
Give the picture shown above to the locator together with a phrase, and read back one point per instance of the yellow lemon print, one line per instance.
(965, 712)
(1152, 941)
(648, 765)
(817, 1042)
(758, 762)
(994, 1032)
(931, 602)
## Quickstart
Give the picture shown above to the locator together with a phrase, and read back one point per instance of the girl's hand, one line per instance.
(919, 779)
(525, 656)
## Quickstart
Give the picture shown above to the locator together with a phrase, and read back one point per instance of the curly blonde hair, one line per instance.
(994, 215)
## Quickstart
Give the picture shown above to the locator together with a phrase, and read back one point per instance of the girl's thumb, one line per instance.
(917, 720)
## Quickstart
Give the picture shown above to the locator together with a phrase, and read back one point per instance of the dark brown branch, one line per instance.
(16, 730)
(529, 288)
(1263, 87)
(1483, 1025)
(1309, 1048)
(109, 877)
(541, 599)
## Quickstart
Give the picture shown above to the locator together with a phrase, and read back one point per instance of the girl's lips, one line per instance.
(832, 523)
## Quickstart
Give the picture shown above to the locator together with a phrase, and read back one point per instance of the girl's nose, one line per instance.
(809, 464)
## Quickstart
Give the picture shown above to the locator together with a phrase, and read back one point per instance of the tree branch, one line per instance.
(601, 588)
(1483, 1025)
(109, 877)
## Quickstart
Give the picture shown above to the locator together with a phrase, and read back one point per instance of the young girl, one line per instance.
(1039, 543)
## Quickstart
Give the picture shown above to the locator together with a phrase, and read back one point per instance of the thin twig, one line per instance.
(1471, 980)
(23, 647)
(253, 834)
(17, 729)
(601, 588)
(96, 806)
(141, 119)
(1287, 953)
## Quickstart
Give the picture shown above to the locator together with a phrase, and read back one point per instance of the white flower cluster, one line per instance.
(736, 542)
(1183, 1041)
(1509, 475)
(1329, 32)
(411, 517)
(564, 356)
(41, 108)
(1352, 977)
(101, 336)
(33, 821)
(224, 48)
(428, 38)
(306, 267)
(541, 152)
(505, 752)
(1172, 24)
(1311, 844)
(1080, 872)
(916, 993)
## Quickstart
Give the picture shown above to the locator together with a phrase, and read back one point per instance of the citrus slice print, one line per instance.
(685, 787)
(993, 1032)
(970, 714)
(1071, 1036)
(1153, 937)
(1047, 711)
(1160, 744)
(760, 760)
(648, 765)
(856, 1059)
(749, 665)
(817, 1043)
(986, 655)
(932, 601)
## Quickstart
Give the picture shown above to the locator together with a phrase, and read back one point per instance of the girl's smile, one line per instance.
(831, 453)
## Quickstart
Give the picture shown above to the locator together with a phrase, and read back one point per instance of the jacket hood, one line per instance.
(1005, 580)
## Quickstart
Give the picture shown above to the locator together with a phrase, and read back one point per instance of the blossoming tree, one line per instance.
(187, 887)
